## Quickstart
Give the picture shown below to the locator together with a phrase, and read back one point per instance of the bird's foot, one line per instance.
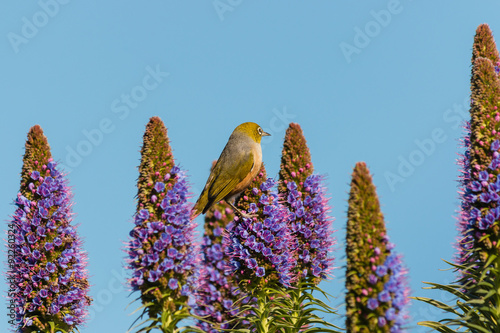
(240, 213)
(246, 215)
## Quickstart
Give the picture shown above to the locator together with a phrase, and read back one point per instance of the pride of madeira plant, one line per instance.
(49, 268)
(377, 289)
(161, 251)
(477, 287)
(304, 194)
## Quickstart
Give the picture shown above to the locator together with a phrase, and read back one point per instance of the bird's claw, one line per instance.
(245, 215)
(239, 212)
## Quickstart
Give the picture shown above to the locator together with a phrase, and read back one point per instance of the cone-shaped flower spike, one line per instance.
(480, 162)
(305, 197)
(478, 283)
(162, 252)
(49, 269)
(377, 289)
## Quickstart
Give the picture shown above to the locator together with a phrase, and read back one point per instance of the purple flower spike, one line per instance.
(162, 253)
(372, 265)
(480, 162)
(478, 242)
(40, 225)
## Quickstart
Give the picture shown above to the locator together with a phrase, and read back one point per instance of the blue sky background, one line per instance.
(395, 102)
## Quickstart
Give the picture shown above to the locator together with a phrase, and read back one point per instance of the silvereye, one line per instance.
(237, 166)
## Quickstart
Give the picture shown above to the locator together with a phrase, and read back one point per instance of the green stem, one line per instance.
(170, 320)
(167, 325)
(295, 295)
(262, 312)
(497, 287)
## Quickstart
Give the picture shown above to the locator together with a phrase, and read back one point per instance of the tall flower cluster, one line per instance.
(310, 224)
(305, 197)
(480, 163)
(376, 283)
(50, 267)
(217, 291)
(259, 246)
(477, 261)
(161, 251)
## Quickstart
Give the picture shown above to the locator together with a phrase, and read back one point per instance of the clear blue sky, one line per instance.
(384, 82)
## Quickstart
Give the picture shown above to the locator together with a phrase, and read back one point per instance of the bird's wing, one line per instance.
(230, 172)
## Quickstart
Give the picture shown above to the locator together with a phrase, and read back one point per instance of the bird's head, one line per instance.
(252, 130)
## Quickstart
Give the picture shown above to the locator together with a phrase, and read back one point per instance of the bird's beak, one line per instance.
(265, 134)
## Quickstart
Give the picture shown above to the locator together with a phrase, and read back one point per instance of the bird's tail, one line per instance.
(200, 205)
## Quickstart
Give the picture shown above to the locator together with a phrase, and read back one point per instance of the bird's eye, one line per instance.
(259, 130)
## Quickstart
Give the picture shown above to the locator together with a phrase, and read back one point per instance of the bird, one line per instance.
(238, 164)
